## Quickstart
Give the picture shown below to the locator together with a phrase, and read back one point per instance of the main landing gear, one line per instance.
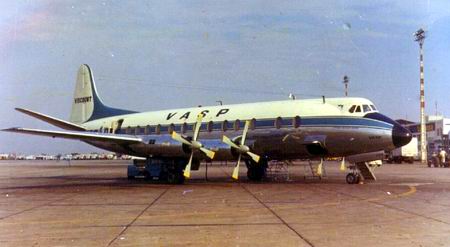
(256, 171)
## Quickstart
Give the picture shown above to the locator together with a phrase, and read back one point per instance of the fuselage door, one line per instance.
(115, 126)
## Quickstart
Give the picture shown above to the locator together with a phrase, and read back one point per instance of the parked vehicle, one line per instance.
(407, 153)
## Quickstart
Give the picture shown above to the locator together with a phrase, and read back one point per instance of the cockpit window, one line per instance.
(352, 109)
(373, 107)
(358, 109)
(366, 108)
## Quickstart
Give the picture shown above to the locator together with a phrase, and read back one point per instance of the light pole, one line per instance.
(346, 81)
(419, 36)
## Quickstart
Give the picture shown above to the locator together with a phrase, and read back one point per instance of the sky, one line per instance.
(153, 55)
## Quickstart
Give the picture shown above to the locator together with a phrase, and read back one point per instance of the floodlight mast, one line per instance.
(419, 36)
(346, 80)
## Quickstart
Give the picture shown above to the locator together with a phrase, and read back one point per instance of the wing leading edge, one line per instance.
(79, 135)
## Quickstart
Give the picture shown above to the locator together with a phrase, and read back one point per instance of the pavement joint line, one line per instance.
(375, 201)
(36, 207)
(277, 216)
(191, 225)
(139, 215)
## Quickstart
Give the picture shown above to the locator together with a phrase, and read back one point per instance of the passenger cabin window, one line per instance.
(184, 128)
(137, 130)
(352, 109)
(237, 125)
(209, 127)
(358, 109)
(252, 124)
(278, 122)
(366, 108)
(296, 122)
(158, 129)
(224, 125)
(171, 128)
(128, 131)
(147, 130)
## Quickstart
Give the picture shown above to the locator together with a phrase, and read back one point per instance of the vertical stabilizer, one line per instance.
(87, 105)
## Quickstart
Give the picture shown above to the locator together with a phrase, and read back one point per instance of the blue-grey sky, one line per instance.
(150, 55)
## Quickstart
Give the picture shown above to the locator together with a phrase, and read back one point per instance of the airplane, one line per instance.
(174, 142)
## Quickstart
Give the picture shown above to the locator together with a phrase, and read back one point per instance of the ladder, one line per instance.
(278, 170)
(312, 171)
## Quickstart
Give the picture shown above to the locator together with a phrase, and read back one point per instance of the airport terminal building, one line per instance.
(438, 128)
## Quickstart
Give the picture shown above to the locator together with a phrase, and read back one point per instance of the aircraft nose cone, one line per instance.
(400, 135)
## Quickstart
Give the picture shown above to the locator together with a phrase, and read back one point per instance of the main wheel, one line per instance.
(256, 171)
(175, 177)
(352, 178)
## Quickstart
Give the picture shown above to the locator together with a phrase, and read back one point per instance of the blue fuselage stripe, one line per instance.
(270, 123)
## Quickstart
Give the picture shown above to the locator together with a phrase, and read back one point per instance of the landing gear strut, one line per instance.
(256, 171)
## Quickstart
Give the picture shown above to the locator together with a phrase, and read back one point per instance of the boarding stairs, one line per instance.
(310, 170)
(278, 170)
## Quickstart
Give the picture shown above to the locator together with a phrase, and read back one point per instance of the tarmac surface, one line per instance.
(91, 203)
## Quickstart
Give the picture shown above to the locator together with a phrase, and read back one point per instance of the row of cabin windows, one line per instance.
(211, 126)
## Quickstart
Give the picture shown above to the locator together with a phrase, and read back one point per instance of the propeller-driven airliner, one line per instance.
(174, 142)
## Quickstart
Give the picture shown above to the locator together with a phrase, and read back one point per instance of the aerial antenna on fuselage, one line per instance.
(323, 98)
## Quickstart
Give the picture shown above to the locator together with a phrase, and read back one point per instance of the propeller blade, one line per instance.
(254, 157)
(228, 141)
(244, 133)
(208, 152)
(320, 168)
(236, 169)
(178, 137)
(187, 170)
(342, 168)
(197, 126)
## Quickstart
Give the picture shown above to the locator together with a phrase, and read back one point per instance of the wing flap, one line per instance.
(78, 135)
(51, 120)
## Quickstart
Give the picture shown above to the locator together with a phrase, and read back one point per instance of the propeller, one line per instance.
(342, 168)
(320, 168)
(241, 148)
(193, 144)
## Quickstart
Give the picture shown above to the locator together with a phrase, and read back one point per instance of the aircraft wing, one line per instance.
(51, 120)
(79, 135)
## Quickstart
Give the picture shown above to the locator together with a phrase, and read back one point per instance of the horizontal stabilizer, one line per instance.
(51, 120)
(78, 135)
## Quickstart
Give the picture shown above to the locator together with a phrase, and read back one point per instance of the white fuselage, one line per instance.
(280, 129)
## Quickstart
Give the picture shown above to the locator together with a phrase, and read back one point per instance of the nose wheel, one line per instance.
(353, 178)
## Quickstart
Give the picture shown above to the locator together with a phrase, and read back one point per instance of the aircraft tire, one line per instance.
(352, 178)
(175, 176)
(256, 172)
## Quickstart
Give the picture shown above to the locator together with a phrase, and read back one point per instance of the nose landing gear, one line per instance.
(353, 178)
